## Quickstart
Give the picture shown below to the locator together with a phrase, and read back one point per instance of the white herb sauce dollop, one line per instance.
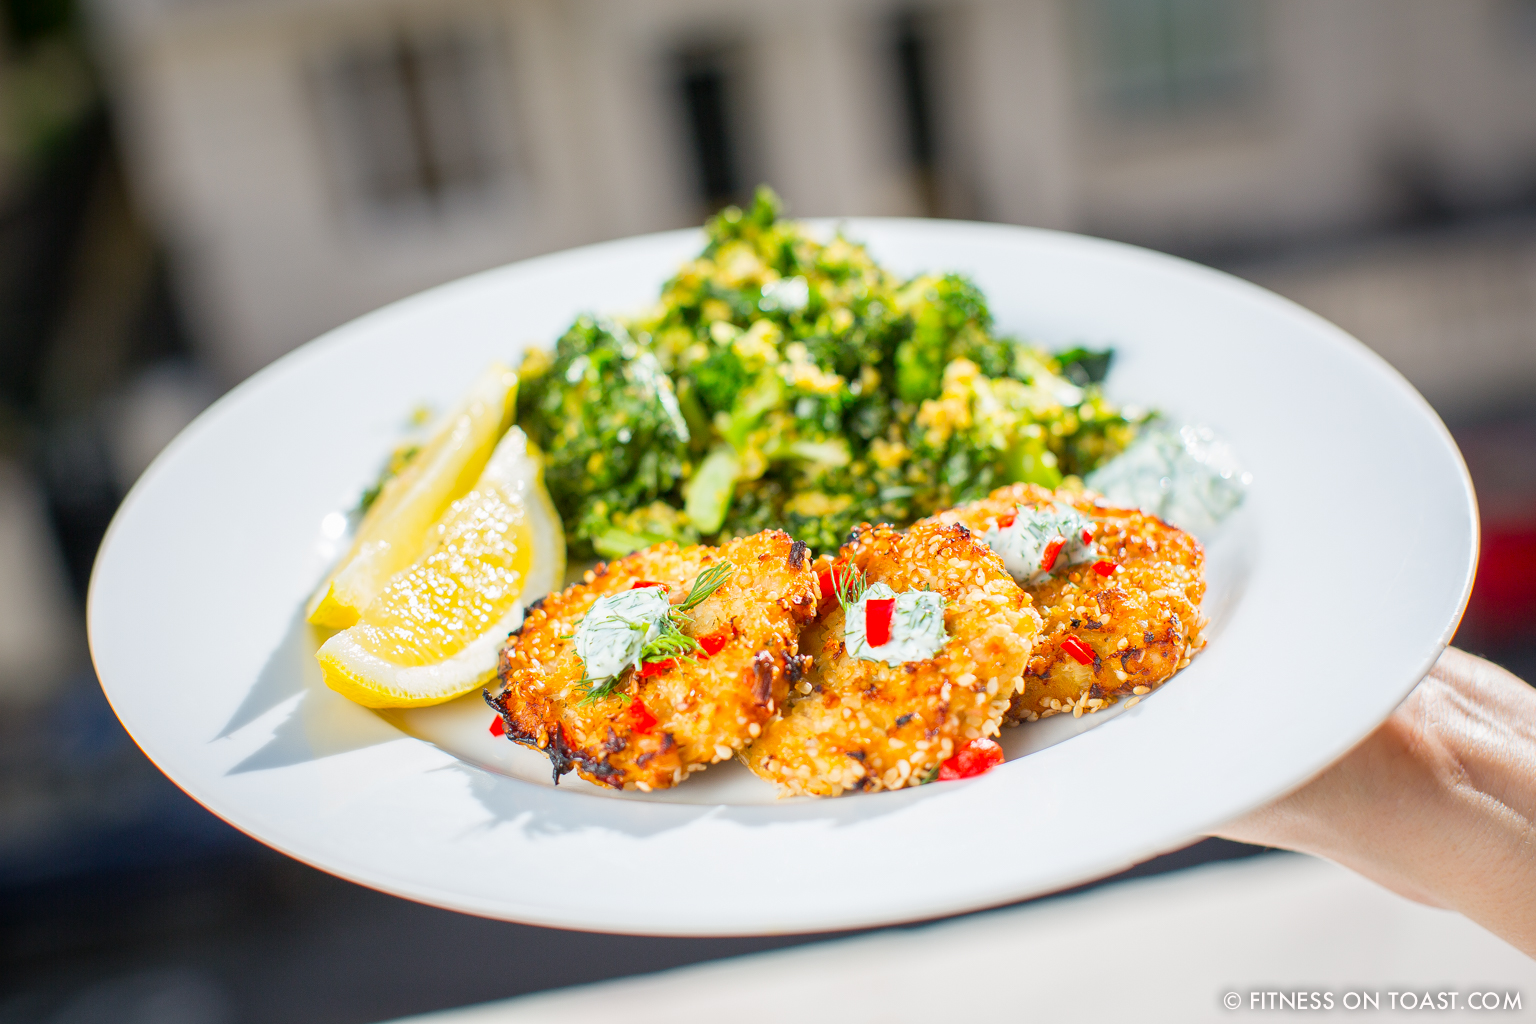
(617, 627)
(917, 626)
(1186, 476)
(1023, 543)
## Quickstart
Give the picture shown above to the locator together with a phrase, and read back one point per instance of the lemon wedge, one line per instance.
(436, 628)
(391, 535)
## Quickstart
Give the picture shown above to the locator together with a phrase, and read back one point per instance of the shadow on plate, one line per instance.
(320, 722)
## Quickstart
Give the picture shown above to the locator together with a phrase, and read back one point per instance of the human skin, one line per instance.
(1438, 804)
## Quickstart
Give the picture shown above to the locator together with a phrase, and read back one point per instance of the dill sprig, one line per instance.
(850, 586)
(706, 583)
(671, 642)
(930, 775)
(593, 690)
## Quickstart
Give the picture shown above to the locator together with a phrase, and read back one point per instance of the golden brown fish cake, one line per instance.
(855, 724)
(652, 731)
(1140, 624)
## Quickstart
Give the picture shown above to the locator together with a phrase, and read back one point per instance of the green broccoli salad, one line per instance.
(785, 382)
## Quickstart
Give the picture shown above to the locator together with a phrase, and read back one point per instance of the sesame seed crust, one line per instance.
(705, 709)
(864, 725)
(1142, 623)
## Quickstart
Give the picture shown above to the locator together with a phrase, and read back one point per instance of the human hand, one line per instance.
(1438, 804)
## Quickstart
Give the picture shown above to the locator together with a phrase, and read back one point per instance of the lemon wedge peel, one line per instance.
(360, 664)
(394, 530)
(357, 673)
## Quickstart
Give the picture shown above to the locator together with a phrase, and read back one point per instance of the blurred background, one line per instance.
(191, 188)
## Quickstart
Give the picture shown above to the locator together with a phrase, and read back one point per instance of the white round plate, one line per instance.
(1332, 593)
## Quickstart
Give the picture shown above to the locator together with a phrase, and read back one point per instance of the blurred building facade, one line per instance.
(309, 160)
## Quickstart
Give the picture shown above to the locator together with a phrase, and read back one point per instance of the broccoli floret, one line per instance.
(950, 320)
(608, 422)
(719, 379)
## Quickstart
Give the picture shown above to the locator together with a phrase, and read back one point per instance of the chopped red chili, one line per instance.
(711, 645)
(877, 620)
(642, 584)
(979, 755)
(828, 584)
(1087, 535)
(1080, 652)
(656, 668)
(640, 717)
(1006, 521)
(498, 727)
(1052, 550)
(1104, 567)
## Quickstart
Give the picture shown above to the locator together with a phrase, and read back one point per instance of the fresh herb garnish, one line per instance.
(706, 583)
(668, 641)
(672, 642)
(930, 775)
(593, 691)
(850, 586)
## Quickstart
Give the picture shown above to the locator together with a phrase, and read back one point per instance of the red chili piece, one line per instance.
(498, 727)
(640, 717)
(828, 584)
(712, 645)
(1081, 652)
(1007, 521)
(642, 584)
(656, 668)
(979, 755)
(1048, 560)
(1087, 535)
(877, 620)
(1104, 567)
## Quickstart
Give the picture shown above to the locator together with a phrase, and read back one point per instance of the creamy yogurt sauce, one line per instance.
(1025, 543)
(1186, 476)
(616, 627)
(917, 626)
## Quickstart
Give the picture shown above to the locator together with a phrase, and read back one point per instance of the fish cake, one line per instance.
(1137, 625)
(652, 730)
(865, 725)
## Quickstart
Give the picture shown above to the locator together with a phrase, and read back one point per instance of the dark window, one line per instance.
(409, 114)
(913, 65)
(914, 75)
(706, 83)
(1174, 56)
